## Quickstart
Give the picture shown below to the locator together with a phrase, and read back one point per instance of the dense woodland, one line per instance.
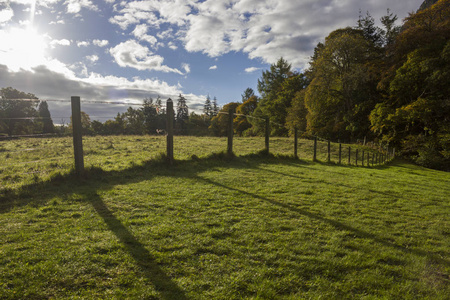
(388, 84)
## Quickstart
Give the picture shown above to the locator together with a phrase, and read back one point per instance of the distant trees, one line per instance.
(219, 122)
(20, 113)
(182, 115)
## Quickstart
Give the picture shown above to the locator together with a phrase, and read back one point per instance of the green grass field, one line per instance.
(212, 227)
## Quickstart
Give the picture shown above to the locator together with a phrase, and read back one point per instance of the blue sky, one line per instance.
(129, 50)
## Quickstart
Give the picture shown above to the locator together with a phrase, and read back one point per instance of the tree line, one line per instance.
(388, 84)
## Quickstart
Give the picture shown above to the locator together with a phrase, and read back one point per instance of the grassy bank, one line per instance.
(217, 228)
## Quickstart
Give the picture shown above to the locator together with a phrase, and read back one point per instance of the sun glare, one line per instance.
(23, 49)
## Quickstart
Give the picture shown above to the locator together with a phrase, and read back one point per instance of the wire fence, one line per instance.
(49, 154)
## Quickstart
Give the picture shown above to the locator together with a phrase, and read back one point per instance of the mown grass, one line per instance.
(217, 227)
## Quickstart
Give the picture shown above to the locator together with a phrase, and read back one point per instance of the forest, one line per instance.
(387, 84)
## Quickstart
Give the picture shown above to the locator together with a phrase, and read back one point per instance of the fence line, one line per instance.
(380, 156)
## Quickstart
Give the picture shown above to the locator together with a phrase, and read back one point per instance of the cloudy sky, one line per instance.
(129, 50)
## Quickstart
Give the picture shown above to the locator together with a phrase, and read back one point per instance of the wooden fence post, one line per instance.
(340, 152)
(170, 115)
(362, 159)
(315, 149)
(267, 134)
(368, 159)
(329, 152)
(373, 155)
(356, 157)
(77, 135)
(349, 155)
(230, 132)
(296, 143)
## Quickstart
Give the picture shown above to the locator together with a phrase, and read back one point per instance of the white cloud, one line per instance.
(252, 69)
(213, 67)
(264, 29)
(6, 14)
(132, 54)
(83, 43)
(75, 6)
(100, 43)
(63, 42)
(172, 46)
(57, 22)
(186, 68)
(92, 58)
(141, 33)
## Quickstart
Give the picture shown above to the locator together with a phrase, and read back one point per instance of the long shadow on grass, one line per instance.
(338, 225)
(107, 180)
(146, 263)
(97, 180)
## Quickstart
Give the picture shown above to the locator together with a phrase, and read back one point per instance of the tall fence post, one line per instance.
(170, 116)
(329, 152)
(230, 132)
(356, 157)
(315, 149)
(77, 135)
(373, 155)
(267, 134)
(362, 158)
(368, 159)
(340, 152)
(296, 143)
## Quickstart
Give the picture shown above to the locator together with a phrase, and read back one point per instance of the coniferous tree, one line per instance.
(207, 108)
(46, 119)
(247, 94)
(182, 115)
(215, 108)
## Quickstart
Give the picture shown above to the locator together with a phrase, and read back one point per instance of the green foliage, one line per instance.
(198, 125)
(241, 121)
(341, 86)
(207, 108)
(416, 112)
(219, 123)
(277, 87)
(248, 93)
(296, 118)
(182, 115)
(15, 115)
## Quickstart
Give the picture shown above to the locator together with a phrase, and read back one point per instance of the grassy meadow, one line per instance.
(253, 226)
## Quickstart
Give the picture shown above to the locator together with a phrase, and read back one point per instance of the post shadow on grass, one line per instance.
(338, 225)
(163, 284)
